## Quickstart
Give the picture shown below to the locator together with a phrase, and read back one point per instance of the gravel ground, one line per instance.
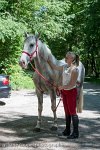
(19, 114)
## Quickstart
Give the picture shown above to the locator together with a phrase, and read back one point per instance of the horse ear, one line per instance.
(26, 34)
(37, 35)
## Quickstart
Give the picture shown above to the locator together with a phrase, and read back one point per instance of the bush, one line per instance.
(21, 79)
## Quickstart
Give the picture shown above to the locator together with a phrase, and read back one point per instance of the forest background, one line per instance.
(65, 25)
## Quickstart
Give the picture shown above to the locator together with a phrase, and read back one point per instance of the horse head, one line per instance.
(30, 50)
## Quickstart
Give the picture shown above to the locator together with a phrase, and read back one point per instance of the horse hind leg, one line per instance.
(53, 107)
(40, 108)
(80, 100)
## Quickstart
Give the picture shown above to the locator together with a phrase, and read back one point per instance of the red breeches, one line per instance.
(69, 101)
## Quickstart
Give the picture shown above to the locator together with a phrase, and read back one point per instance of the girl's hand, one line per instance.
(60, 87)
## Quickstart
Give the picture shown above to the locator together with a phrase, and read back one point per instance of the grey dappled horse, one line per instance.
(35, 49)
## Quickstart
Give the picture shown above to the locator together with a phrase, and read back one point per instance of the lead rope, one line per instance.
(58, 103)
(57, 90)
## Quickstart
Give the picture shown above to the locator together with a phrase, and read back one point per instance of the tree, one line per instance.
(63, 25)
(10, 38)
(92, 37)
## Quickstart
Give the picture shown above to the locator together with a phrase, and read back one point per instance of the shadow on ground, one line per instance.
(21, 131)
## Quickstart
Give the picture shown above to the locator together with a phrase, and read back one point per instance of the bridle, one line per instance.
(32, 54)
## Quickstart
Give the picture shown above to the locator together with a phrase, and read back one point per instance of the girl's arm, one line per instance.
(53, 66)
(72, 82)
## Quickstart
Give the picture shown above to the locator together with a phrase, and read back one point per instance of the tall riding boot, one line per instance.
(75, 133)
(66, 132)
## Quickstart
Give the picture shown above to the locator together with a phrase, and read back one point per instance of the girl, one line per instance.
(69, 92)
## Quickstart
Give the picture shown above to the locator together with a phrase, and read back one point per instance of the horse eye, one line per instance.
(31, 45)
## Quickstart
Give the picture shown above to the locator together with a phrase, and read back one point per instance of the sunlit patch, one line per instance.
(92, 91)
(89, 114)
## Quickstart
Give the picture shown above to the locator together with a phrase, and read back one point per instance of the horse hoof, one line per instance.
(37, 129)
(54, 128)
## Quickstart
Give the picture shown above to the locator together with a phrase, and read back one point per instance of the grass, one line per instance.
(21, 80)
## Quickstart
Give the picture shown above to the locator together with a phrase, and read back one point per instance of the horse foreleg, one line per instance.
(40, 108)
(53, 107)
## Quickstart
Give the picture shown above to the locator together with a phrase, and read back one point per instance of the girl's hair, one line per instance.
(75, 57)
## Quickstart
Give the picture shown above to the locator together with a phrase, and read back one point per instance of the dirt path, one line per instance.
(18, 118)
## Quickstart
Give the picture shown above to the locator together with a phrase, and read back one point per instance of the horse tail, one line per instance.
(80, 101)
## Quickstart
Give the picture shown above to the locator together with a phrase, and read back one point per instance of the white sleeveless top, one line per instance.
(66, 76)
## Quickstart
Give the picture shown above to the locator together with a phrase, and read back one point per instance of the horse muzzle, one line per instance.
(23, 64)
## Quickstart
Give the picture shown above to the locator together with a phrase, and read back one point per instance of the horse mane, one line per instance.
(47, 54)
(44, 49)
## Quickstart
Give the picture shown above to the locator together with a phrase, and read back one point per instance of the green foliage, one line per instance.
(10, 28)
(3, 5)
(20, 79)
(63, 25)
(52, 20)
(93, 80)
(11, 42)
(92, 37)
(11, 37)
(53, 17)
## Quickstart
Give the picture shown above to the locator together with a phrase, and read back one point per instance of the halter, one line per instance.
(31, 55)
(46, 80)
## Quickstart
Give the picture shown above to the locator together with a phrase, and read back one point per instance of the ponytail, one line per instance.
(77, 59)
